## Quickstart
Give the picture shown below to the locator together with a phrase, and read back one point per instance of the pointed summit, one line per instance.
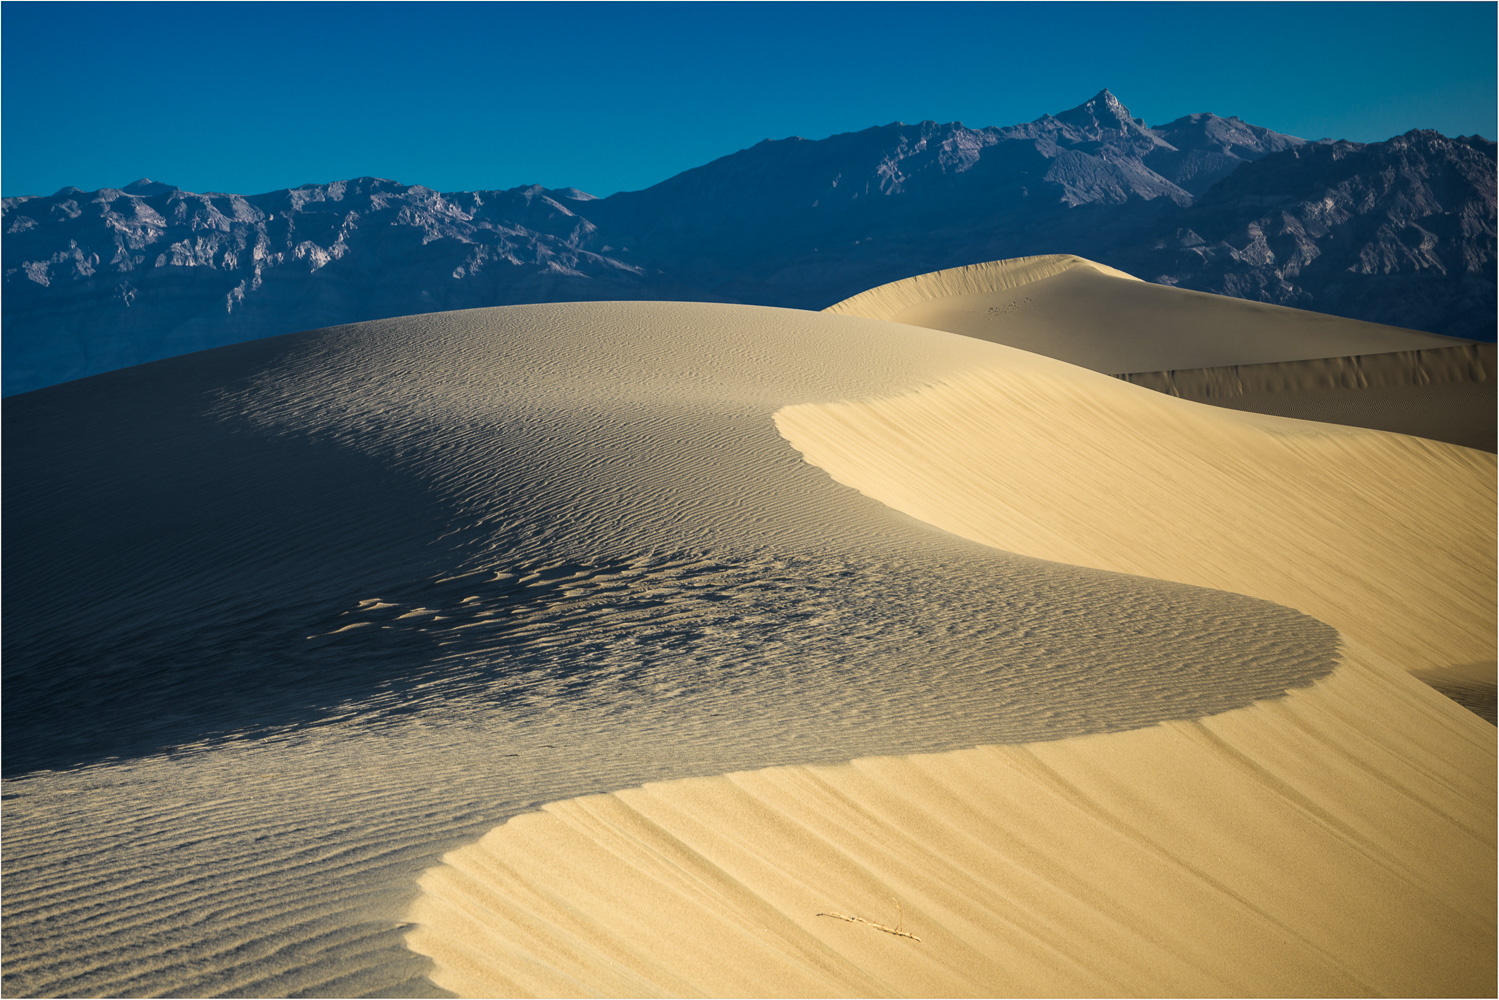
(1106, 98)
(1101, 111)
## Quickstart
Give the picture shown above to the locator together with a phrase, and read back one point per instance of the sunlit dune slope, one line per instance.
(1337, 842)
(285, 621)
(1091, 315)
(1388, 538)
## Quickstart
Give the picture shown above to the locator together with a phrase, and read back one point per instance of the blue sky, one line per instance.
(607, 97)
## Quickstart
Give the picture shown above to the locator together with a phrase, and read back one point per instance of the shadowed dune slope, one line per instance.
(287, 620)
(1092, 315)
(1442, 393)
(1339, 840)
(379, 513)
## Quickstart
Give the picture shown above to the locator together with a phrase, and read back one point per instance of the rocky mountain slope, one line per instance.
(804, 223)
(1398, 232)
(101, 280)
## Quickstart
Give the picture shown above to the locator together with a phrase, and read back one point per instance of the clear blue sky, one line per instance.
(606, 97)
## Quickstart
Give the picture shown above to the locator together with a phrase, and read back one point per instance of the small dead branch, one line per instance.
(896, 930)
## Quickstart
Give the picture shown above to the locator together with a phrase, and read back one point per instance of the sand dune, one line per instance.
(310, 612)
(288, 621)
(1209, 348)
(1442, 393)
(1388, 538)
(1169, 860)
(1094, 316)
(1308, 846)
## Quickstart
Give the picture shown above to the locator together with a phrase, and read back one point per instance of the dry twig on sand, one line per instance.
(896, 930)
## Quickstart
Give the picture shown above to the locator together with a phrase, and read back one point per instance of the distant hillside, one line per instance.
(1398, 232)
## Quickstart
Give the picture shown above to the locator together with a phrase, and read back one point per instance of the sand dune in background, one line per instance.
(1442, 393)
(1094, 316)
(1210, 348)
(289, 621)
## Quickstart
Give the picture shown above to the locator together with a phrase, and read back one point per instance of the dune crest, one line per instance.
(1388, 538)
(889, 300)
(1095, 316)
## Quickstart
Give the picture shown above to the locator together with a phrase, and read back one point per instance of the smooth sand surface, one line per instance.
(289, 621)
(1388, 538)
(1092, 315)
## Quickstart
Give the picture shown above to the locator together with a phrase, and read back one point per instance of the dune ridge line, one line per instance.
(1089, 314)
(1334, 841)
(1176, 490)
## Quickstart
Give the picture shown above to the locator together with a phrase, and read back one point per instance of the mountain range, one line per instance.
(1398, 232)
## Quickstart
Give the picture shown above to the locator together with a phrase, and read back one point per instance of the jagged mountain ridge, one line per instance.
(1399, 232)
(95, 281)
(816, 220)
(1200, 150)
(115, 277)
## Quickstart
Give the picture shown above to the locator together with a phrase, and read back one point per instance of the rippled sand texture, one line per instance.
(1337, 841)
(288, 620)
(1388, 538)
